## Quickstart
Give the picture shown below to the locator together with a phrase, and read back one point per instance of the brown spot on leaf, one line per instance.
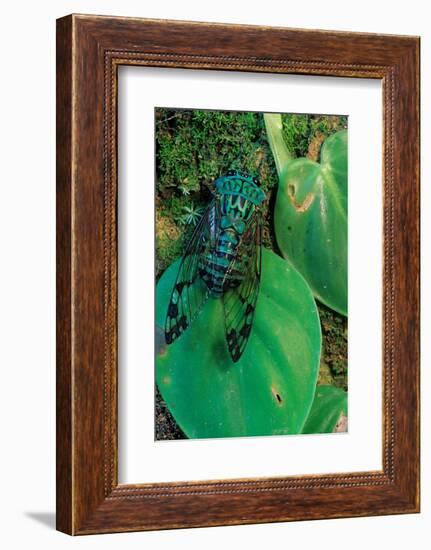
(306, 203)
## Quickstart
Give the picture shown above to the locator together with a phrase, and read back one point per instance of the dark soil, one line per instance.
(166, 427)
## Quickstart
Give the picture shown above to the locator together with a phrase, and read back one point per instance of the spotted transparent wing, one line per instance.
(189, 292)
(240, 302)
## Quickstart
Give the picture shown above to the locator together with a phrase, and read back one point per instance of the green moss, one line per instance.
(333, 365)
(304, 134)
(195, 147)
(169, 242)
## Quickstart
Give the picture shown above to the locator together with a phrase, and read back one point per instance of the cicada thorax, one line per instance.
(222, 266)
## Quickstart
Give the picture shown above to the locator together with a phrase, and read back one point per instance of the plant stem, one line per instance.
(274, 130)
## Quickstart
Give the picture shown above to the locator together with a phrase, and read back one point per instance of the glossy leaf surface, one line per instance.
(310, 216)
(329, 404)
(271, 388)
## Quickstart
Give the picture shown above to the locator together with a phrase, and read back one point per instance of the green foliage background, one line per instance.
(193, 148)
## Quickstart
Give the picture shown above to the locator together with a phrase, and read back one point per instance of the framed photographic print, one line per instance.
(237, 274)
(221, 379)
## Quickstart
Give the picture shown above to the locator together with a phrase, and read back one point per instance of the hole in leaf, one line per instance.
(276, 395)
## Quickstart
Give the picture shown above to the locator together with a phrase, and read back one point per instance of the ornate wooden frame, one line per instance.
(89, 51)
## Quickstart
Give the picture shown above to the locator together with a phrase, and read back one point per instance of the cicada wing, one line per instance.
(189, 292)
(240, 302)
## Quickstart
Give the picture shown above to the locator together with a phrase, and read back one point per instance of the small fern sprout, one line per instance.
(192, 214)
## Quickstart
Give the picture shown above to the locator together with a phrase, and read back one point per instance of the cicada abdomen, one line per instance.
(222, 261)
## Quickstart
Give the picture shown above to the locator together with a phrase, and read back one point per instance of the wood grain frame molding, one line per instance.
(89, 51)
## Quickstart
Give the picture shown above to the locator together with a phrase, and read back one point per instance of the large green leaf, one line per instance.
(271, 388)
(310, 216)
(329, 404)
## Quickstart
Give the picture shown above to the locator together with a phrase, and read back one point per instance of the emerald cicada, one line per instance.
(222, 260)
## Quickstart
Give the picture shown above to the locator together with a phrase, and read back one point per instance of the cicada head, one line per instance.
(235, 182)
(239, 195)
